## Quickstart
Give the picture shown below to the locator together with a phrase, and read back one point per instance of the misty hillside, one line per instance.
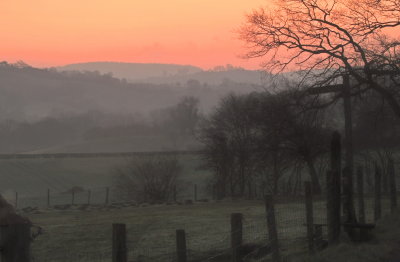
(171, 74)
(43, 110)
(29, 93)
(236, 75)
(133, 71)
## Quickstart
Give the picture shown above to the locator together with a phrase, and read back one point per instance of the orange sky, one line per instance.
(57, 32)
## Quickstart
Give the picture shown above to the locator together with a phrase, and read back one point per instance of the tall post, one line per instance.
(393, 187)
(73, 197)
(333, 185)
(236, 236)
(181, 251)
(378, 206)
(309, 216)
(119, 249)
(16, 240)
(348, 145)
(360, 191)
(272, 229)
(107, 195)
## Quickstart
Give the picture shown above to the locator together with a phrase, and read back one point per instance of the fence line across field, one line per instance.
(276, 235)
(306, 224)
(97, 195)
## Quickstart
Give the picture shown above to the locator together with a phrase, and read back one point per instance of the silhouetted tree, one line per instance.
(228, 139)
(262, 135)
(325, 39)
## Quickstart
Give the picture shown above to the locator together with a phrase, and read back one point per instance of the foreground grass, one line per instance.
(75, 235)
(86, 235)
(385, 247)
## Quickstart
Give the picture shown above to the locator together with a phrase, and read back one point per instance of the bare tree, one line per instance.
(179, 121)
(292, 133)
(227, 136)
(262, 135)
(325, 38)
(148, 179)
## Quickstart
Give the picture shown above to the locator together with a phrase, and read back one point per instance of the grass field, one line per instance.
(86, 235)
(32, 177)
(69, 235)
(75, 235)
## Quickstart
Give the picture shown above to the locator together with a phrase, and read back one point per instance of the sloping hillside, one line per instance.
(133, 71)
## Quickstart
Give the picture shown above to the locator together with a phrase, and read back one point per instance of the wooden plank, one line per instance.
(309, 216)
(181, 251)
(378, 195)
(333, 185)
(272, 228)
(393, 187)
(236, 236)
(119, 249)
(15, 242)
(360, 191)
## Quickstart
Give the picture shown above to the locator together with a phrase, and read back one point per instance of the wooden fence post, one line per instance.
(107, 195)
(181, 251)
(378, 208)
(89, 196)
(393, 187)
(272, 229)
(119, 249)
(15, 243)
(48, 197)
(236, 236)
(195, 192)
(360, 191)
(333, 187)
(309, 216)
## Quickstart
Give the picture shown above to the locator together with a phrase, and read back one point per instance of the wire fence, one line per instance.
(104, 195)
(207, 241)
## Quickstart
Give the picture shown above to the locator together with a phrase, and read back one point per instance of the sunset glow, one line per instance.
(57, 32)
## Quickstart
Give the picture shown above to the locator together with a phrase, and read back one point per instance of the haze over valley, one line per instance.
(103, 107)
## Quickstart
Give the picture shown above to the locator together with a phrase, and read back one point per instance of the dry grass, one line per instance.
(85, 236)
(69, 235)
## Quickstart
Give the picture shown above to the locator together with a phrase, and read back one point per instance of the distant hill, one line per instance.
(171, 74)
(214, 77)
(45, 110)
(28, 93)
(133, 71)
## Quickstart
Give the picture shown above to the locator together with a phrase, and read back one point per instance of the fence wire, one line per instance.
(209, 240)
